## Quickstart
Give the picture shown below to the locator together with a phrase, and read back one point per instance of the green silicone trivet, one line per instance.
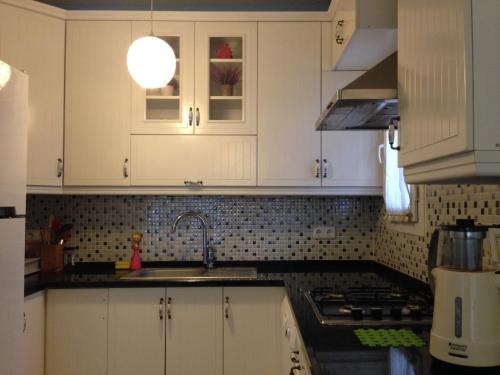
(389, 337)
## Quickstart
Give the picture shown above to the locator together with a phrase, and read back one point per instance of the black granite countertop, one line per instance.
(332, 350)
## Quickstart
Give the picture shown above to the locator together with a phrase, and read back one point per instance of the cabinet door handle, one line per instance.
(60, 167)
(226, 308)
(317, 169)
(198, 116)
(25, 322)
(125, 168)
(169, 305)
(325, 168)
(193, 183)
(380, 148)
(339, 39)
(161, 308)
(190, 116)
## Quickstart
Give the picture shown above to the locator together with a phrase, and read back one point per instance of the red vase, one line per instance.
(135, 262)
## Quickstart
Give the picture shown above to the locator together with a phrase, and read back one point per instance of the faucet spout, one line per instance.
(208, 260)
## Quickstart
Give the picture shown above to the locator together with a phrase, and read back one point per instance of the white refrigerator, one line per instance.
(13, 150)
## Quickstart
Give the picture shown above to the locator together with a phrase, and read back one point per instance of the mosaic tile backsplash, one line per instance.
(241, 228)
(444, 204)
(260, 228)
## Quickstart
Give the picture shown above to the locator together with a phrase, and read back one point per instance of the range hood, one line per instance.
(368, 103)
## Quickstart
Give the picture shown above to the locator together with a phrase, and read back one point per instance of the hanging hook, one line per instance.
(393, 126)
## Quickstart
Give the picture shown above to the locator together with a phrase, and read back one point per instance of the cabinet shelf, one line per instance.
(226, 60)
(233, 97)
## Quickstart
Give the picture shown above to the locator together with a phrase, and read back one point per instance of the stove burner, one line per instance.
(372, 305)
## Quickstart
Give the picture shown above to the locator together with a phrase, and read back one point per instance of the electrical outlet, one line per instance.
(323, 233)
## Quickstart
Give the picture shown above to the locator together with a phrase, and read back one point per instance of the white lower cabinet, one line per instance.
(251, 330)
(34, 334)
(158, 331)
(194, 331)
(136, 331)
(293, 351)
(180, 160)
(76, 332)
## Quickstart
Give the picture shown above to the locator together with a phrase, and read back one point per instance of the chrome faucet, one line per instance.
(208, 259)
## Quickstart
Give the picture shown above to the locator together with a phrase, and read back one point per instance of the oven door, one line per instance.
(391, 361)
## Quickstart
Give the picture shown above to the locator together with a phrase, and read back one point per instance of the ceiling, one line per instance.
(194, 5)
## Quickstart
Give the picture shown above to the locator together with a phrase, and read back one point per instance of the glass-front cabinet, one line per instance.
(214, 90)
(226, 78)
(168, 110)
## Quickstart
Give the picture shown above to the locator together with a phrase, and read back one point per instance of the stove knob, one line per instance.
(396, 313)
(405, 310)
(416, 313)
(357, 313)
(376, 313)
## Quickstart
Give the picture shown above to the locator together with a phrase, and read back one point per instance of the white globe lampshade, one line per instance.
(151, 62)
(5, 73)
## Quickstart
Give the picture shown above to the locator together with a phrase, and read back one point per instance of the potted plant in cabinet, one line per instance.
(226, 76)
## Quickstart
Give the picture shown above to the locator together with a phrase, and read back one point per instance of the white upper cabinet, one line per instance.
(214, 90)
(97, 130)
(362, 34)
(349, 158)
(289, 152)
(35, 43)
(193, 161)
(168, 110)
(226, 78)
(449, 90)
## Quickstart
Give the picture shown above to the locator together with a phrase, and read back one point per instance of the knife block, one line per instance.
(52, 258)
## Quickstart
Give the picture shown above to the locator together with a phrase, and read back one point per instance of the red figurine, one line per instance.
(135, 262)
(224, 52)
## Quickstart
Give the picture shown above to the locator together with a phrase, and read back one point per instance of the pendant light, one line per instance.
(151, 60)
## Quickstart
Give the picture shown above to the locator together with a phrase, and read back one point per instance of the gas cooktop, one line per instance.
(371, 306)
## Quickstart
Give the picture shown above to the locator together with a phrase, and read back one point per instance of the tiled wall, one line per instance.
(444, 204)
(260, 228)
(242, 228)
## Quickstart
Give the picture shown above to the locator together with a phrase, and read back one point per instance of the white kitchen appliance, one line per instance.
(13, 150)
(466, 323)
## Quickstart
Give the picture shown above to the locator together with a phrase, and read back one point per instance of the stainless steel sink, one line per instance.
(192, 274)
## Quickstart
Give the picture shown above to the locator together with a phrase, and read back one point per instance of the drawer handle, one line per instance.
(25, 322)
(226, 308)
(193, 183)
(317, 169)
